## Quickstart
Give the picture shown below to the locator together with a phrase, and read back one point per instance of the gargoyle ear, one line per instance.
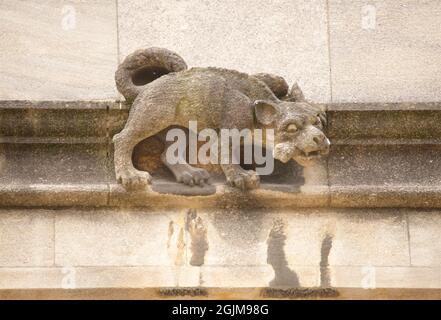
(265, 111)
(296, 93)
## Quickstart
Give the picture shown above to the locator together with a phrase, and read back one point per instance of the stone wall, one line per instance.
(338, 50)
(66, 223)
(139, 248)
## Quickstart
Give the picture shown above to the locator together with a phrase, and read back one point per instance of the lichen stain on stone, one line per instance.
(197, 230)
(181, 292)
(170, 233)
(2, 161)
(283, 276)
(201, 279)
(325, 277)
(180, 254)
(32, 119)
(299, 293)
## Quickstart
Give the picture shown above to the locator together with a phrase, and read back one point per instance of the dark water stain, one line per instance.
(197, 230)
(180, 248)
(299, 293)
(325, 278)
(284, 277)
(182, 292)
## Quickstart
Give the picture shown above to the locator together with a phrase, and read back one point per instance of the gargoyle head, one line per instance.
(297, 128)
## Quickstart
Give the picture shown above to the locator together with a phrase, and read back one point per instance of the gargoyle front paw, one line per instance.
(244, 180)
(134, 179)
(193, 176)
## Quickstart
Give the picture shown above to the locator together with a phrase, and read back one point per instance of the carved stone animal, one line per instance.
(215, 98)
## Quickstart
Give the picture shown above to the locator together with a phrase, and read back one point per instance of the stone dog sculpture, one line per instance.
(171, 95)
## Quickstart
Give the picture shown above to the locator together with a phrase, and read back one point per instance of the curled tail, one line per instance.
(144, 66)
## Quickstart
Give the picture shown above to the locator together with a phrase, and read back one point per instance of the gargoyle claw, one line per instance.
(134, 180)
(193, 176)
(244, 180)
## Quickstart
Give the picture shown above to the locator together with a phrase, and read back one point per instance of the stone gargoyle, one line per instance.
(166, 94)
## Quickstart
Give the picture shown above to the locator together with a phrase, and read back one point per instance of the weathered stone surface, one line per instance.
(203, 248)
(224, 197)
(383, 123)
(54, 195)
(27, 239)
(393, 196)
(367, 136)
(369, 277)
(58, 50)
(67, 121)
(223, 293)
(165, 187)
(53, 163)
(291, 39)
(236, 237)
(368, 237)
(385, 164)
(119, 238)
(385, 51)
(253, 276)
(188, 276)
(346, 237)
(118, 113)
(30, 278)
(229, 276)
(88, 277)
(290, 239)
(425, 238)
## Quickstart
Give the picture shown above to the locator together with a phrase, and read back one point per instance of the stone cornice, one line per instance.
(376, 152)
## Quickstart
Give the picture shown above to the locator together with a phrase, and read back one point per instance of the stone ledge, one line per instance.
(410, 196)
(189, 277)
(345, 120)
(385, 107)
(61, 119)
(42, 195)
(382, 155)
(385, 122)
(114, 195)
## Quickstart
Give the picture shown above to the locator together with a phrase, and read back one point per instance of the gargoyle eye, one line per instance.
(316, 121)
(291, 128)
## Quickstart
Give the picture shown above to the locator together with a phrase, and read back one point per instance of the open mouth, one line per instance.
(289, 153)
(313, 155)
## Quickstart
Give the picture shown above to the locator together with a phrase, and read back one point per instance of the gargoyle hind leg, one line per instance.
(125, 172)
(182, 171)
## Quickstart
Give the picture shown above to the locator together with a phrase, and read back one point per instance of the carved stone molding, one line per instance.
(378, 158)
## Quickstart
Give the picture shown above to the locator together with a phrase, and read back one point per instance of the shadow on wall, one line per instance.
(197, 230)
(283, 276)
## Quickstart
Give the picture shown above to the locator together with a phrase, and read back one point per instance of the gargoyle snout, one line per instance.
(316, 141)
